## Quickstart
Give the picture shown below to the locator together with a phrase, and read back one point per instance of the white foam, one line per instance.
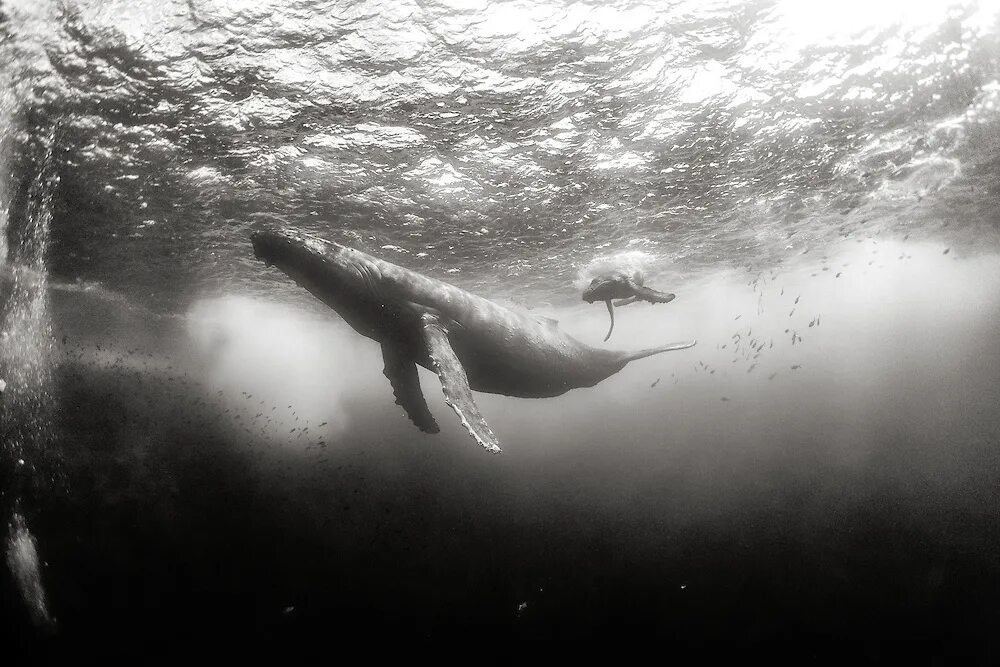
(22, 559)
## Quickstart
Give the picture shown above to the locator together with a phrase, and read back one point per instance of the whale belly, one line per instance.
(521, 368)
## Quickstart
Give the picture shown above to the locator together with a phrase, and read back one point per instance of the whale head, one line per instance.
(339, 276)
(289, 248)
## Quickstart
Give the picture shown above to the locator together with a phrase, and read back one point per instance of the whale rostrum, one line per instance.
(471, 343)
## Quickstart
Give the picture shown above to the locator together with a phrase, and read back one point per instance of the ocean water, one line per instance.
(195, 450)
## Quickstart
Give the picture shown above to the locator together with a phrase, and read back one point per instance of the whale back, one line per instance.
(504, 350)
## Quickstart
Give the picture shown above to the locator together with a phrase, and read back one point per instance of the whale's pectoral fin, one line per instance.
(611, 312)
(651, 295)
(455, 382)
(625, 302)
(402, 373)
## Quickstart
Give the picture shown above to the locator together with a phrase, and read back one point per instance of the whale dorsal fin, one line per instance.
(402, 373)
(455, 382)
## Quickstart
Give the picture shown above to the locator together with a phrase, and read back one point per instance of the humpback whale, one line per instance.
(473, 344)
(624, 288)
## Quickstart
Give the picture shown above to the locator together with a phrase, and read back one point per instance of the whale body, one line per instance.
(471, 343)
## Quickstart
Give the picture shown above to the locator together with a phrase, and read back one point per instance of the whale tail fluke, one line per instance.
(642, 354)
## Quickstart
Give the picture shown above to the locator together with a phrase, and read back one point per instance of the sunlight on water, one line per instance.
(801, 25)
(487, 140)
(280, 368)
(25, 358)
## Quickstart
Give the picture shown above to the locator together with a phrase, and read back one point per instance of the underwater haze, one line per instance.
(195, 450)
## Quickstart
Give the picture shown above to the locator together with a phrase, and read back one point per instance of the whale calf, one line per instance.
(473, 344)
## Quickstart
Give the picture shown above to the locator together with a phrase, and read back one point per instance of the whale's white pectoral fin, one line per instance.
(402, 373)
(624, 302)
(455, 383)
(611, 312)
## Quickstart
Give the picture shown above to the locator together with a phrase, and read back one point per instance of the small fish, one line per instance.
(796, 367)
(723, 399)
(737, 317)
(656, 382)
(772, 376)
(797, 298)
(946, 251)
(791, 313)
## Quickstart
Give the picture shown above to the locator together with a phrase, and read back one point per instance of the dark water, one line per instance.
(195, 451)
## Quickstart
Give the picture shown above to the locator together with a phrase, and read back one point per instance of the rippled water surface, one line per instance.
(191, 444)
(502, 140)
